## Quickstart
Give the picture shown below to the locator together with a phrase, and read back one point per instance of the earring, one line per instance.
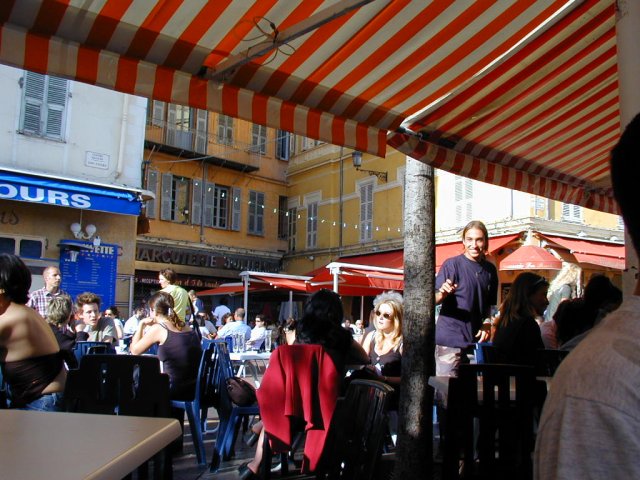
(1, 291)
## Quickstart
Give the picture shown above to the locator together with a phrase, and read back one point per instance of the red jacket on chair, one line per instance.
(302, 382)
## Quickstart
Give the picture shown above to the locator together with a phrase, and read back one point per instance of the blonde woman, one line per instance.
(384, 344)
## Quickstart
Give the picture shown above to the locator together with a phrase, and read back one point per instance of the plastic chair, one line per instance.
(229, 414)
(122, 385)
(206, 395)
(503, 419)
(90, 348)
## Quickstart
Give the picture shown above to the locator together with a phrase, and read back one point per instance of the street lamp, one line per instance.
(356, 156)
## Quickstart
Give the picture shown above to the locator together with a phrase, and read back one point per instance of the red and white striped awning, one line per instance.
(520, 93)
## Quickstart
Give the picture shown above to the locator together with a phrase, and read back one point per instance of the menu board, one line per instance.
(86, 267)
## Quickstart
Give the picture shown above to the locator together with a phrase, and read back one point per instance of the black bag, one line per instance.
(241, 392)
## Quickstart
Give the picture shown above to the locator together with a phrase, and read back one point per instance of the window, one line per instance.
(366, 211)
(463, 199)
(23, 247)
(157, 113)
(220, 207)
(175, 198)
(259, 139)
(44, 103)
(312, 225)
(283, 145)
(152, 186)
(292, 218)
(282, 217)
(180, 126)
(571, 213)
(308, 143)
(225, 129)
(256, 212)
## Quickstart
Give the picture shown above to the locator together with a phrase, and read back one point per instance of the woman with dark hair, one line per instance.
(517, 334)
(321, 324)
(179, 346)
(30, 358)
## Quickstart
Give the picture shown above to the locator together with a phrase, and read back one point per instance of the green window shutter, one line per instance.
(208, 204)
(56, 103)
(202, 117)
(196, 201)
(34, 84)
(166, 197)
(152, 185)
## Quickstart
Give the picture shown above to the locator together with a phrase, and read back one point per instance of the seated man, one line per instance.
(92, 326)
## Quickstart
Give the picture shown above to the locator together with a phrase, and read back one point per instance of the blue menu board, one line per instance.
(86, 267)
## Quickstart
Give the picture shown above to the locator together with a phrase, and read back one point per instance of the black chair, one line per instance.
(229, 414)
(121, 385)
(548, 361)
(91, 348)
(497, 402)
(356, 436)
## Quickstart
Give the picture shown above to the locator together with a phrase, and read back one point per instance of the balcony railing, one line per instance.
(197, 144)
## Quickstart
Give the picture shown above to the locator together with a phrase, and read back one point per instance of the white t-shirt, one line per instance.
(220, 312)
(590, 424)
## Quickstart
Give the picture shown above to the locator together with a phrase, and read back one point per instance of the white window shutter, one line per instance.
(34, 84)
(56, 103)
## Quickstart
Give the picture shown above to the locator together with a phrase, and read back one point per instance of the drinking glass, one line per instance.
(267, 342)
(236, 343)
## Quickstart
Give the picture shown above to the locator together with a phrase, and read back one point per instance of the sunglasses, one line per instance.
(387, 316)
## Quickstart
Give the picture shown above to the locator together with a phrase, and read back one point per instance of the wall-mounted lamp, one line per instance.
(356, 156)
(90, 230)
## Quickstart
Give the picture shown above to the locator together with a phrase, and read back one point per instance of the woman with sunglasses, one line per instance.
(517, 335)
(384, 344)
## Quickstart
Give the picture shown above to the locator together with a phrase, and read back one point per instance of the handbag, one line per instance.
(241, 392)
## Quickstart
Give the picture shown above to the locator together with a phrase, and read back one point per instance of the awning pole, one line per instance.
(335, 271)
(245, 280)
(290, 304)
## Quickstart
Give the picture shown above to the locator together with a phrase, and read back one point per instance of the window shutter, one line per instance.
(292, 230)
(236, 215)
(166, 197)
(196, 201)
(208, 204)
(33, 99)
(171, 124)
(157, 118)
(282, 145)
(260, 214)
(56, 102)
(152, 185)
(312, 225)
(366, 212)
(202, 117)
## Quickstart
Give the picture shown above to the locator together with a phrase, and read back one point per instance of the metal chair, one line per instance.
(229, 414)
(497, 401)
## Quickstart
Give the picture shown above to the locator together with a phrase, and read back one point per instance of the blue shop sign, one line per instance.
(63, 193)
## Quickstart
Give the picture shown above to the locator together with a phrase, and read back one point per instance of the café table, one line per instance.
(441, 384)
(36, 445)
(248, 361)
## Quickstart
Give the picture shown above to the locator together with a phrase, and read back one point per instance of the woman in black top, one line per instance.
(517, 334)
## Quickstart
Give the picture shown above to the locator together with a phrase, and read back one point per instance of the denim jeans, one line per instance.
(50, 402)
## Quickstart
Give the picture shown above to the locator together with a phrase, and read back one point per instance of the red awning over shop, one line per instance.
(224, 289)
(277, 282)
(530, 257)
(603, 254)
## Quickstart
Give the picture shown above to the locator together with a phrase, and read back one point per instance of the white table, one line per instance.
(36, 445)
(248, 360)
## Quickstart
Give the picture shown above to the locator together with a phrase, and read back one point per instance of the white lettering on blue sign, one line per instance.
(44, 195)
